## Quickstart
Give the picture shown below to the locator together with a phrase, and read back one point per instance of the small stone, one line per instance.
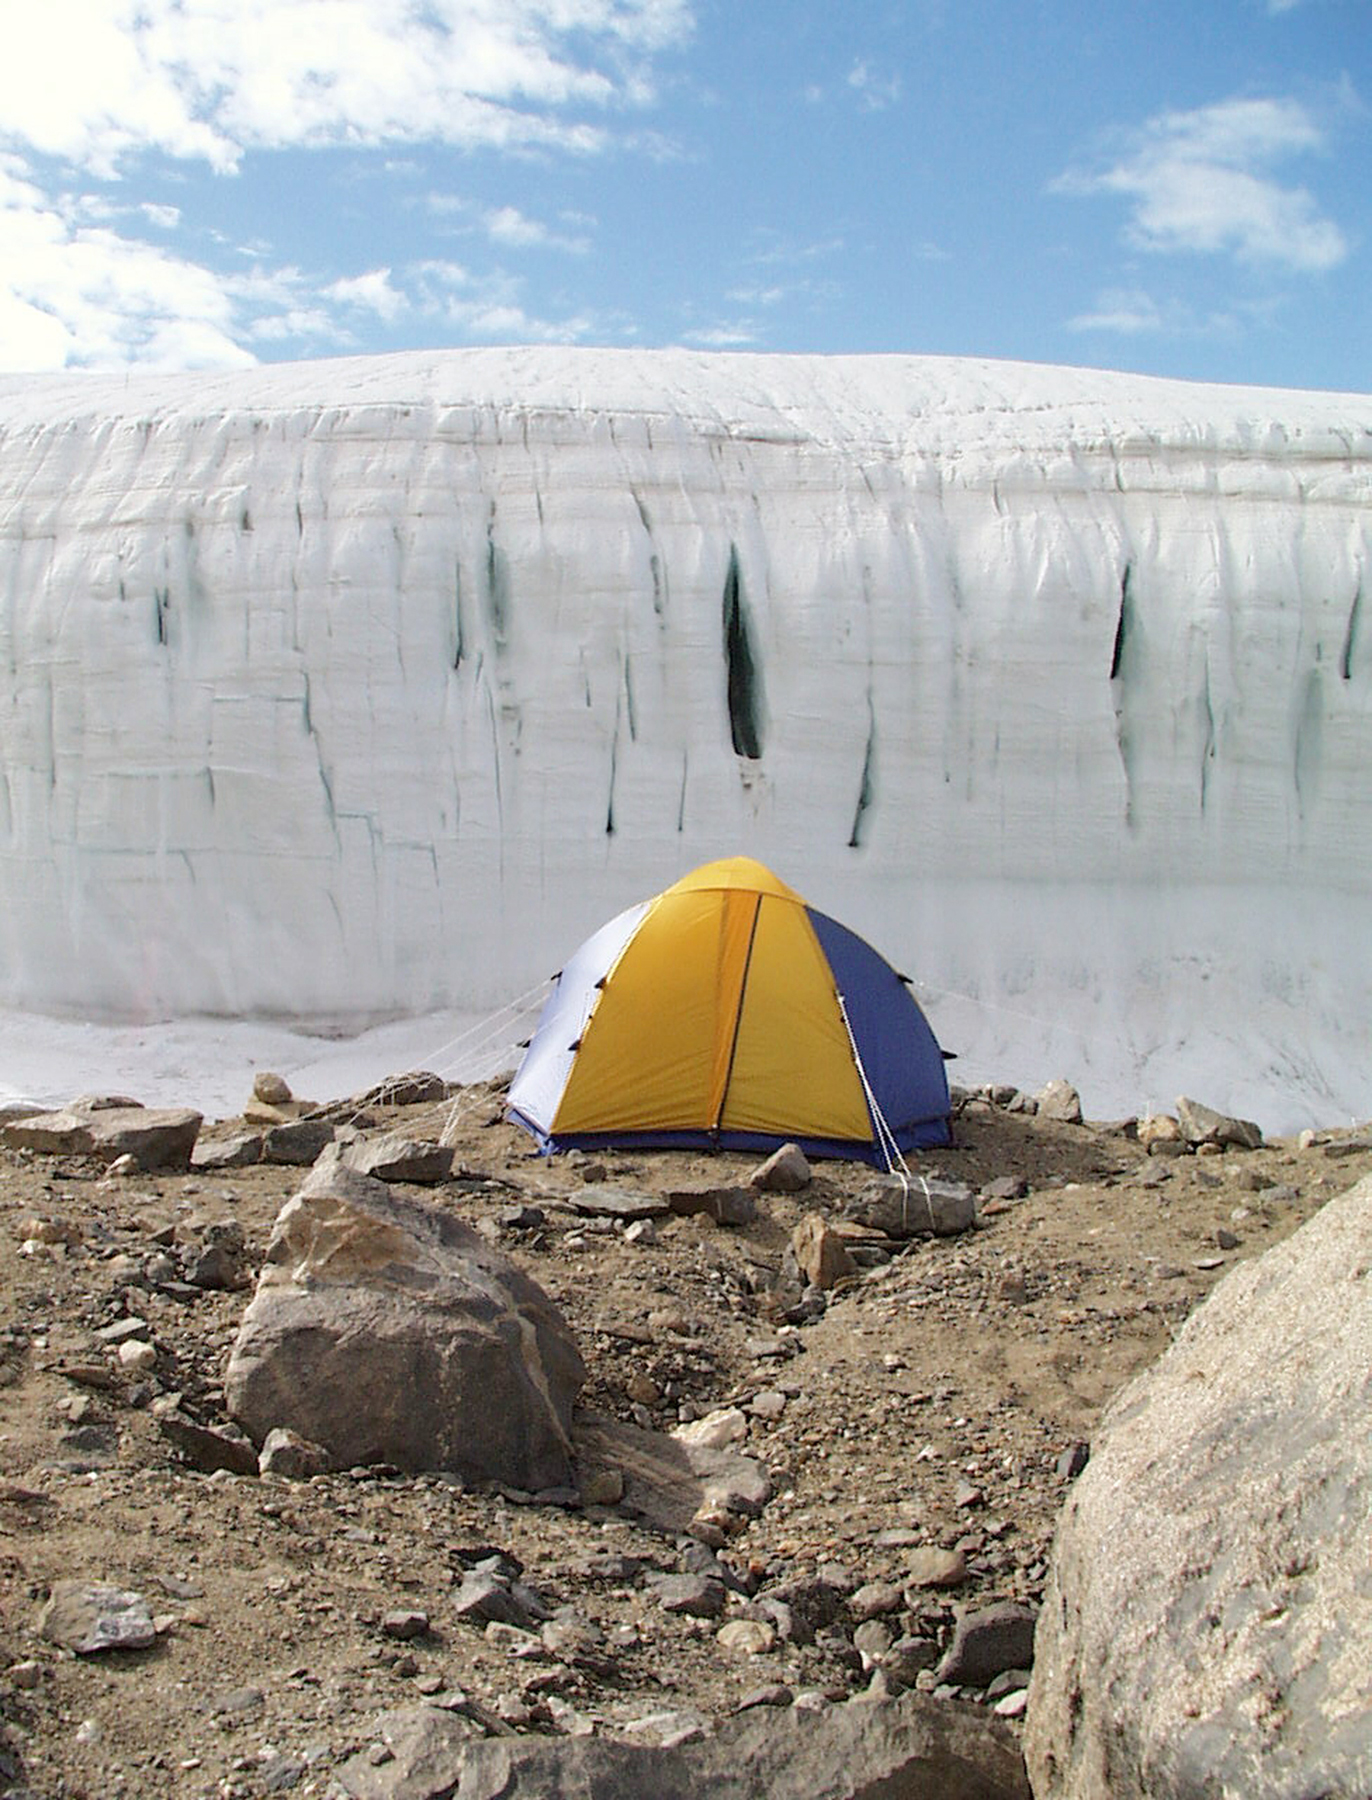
(770, 1404)
(875, 1598)
(602, 1487)
(821, 1254)
(207, 1447)
(908, 1658)
(137, 1356)
(404, 1624)
(1072, 1461)
(987, 1641)
(1226, 1239)
(291, 1456)
(931, 1567)
(772, 1693)
(698, 1596)
(872, 1639)
(24, 1675)
(89, 1617)
(968, 1496)
(271, 1089)
(643, 1390)
(747, 1637)
(727, 1425)
(1203, 1125)
(786, 1171)
(1012, 1705)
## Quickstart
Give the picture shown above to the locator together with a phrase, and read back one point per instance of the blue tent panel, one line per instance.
(899, 1052)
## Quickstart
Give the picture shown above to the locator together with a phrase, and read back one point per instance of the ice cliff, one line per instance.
(345, 689)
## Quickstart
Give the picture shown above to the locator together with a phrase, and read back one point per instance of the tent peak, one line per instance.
(734, 872)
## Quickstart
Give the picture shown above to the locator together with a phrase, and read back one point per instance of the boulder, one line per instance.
(821, 1254)
(395, 1157)
(1206, 1627)
(387, 1331)
(915, 1748)
(156, 1137)
(296, 1142)
(1059, 1100)
(915, 1208)
(1203, 1125)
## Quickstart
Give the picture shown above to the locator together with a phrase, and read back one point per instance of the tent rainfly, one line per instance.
(726, 1013)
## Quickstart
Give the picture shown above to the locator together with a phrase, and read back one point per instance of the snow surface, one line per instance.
(350, 691)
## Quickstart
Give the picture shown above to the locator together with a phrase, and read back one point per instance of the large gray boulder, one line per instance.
(388, 1331)
(914, 1748)
(1207, 1628)
(155, 1137)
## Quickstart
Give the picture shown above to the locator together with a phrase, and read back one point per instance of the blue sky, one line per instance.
(1181, 189)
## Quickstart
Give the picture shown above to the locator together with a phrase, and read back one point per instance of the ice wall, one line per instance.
(339, 690)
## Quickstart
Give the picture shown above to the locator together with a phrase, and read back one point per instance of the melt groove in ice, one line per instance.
(339, 690)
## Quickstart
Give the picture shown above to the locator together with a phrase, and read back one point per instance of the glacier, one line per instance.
(358, 690)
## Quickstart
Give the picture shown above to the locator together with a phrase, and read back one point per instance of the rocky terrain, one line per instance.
(914, 1414)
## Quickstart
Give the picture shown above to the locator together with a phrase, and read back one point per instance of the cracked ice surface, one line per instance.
(343, 691)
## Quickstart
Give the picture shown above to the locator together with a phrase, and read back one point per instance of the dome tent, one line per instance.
(727, 1013)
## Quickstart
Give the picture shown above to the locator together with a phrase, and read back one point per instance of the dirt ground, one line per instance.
(929, 1403)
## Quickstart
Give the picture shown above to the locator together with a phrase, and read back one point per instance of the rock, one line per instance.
(89, 1617)
(390, 1332)
(670, 1481)
(1202, 1125)
(726, 1425)
(1059, 1100)
(404, 1623)
(489, 1598)
(821, 1255)
(1159, 1128)
(294, 1458)
(422, 1749)
(604, 1202)
(786, 1171)
(1205, 1628)
(747, 1637)
(915, 1208)
(875, 1598)
(394, 1157)
(699, 1596)
(931, 1567)
(726, 1206)
(296, 1142)
(987, 1641)
(241, 1150)
(207, 1447)
(417, 1087)
(137, 1356)
(1073, 1460)
(271, 1089)
(220, 1260)
(913, 1747)
(602, 1487)
(156, 1138)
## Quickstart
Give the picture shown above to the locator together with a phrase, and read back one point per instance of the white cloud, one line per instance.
(92, 85)
(95, 81)
(371, 293)
(77, 293)
(721, 337)
(509, 226)
(1201, 181)
(1125, 310)
(877, 89)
